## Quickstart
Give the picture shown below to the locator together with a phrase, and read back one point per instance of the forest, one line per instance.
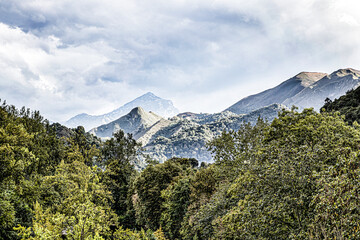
(294, 178)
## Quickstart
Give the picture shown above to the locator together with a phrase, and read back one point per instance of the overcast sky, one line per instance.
(66, 57)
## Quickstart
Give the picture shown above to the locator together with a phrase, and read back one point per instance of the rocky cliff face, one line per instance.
(148, 101)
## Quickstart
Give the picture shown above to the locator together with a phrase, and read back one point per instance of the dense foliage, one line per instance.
(348, 105)
(294, 178)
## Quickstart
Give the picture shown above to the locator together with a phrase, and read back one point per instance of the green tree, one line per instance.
(75, 205)
(149, 185)
(118, 155)
(278, 180)
(176, 201)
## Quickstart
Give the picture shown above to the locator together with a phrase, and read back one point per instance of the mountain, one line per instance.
(331, 86)
(307, 89)
(148, 101)
(183, 137)
(138, 119)
(278, 94)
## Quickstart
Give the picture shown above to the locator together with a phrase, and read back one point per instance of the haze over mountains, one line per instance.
(148, 101)
(186, 134)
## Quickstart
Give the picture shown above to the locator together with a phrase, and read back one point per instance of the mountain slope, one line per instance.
(138, 119)
(348, 105)
(186, 138)
(148, 101)
(331, 86)
(278, 94)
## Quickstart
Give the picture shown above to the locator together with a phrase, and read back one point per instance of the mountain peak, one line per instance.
(136, 120)
(148, 102)
(346, 71)
(137, 111)
(308, 78)
(148, 95)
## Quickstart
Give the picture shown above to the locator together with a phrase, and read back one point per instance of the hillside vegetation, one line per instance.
(348, 105)
(294, 178)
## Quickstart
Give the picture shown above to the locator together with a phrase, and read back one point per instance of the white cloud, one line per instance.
(66, 57)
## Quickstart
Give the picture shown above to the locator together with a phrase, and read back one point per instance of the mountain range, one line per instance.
(186, 134)
(307, 89)
(148, 101)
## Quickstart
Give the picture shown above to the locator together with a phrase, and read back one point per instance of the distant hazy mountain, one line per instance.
(331, 86)
(148, 101)
(138, 119)
(278, 94)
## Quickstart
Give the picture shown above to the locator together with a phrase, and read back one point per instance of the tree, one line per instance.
(118, 155)
(149, 185)
(176, 201)
(75, 205)
(277, 179)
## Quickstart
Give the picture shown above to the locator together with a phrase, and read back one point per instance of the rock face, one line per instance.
(278, 94)
(304, 90)
(135, 121)
(148, 101)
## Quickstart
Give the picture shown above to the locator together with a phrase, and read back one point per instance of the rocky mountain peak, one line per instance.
(136, 120)
(308, 78)
(137, 111)
(346, 71)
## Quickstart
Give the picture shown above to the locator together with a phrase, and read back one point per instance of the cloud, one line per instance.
(66, 57)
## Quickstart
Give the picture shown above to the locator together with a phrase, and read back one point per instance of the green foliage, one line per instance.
(296, 178)
(337, 203)
(149, 185)
(348, 105)
(76, 205)
(176, 200)
(278, 180)
(118, 155)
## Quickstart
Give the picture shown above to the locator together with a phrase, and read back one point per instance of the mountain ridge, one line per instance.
(137, 119)
(331, 86)
(277, 94)
(148, 101)
(306, 89)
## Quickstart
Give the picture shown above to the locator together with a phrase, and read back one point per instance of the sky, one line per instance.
(67, 57)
